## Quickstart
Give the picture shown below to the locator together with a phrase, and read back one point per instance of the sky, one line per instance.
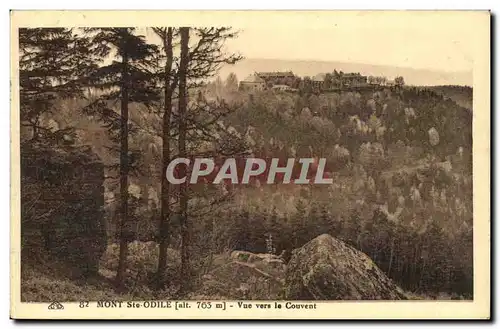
(429, 40)
(434, 49)
(434, 41)
(439, 43)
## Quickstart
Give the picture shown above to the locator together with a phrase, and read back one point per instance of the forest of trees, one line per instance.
(58, 64)
(401, 160)
(398, 196)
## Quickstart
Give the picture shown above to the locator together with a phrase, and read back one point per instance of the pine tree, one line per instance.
(231, 82)
(324, 223)
(298, 225)
(127, 79)
(51, 64)
(274, 230)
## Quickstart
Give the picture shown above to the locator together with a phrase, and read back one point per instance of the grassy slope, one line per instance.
(40, 285)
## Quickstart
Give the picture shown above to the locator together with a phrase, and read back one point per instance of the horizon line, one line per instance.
(353, 62)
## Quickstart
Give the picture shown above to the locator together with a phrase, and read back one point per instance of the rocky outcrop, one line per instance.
(327, 269)
(323, 269)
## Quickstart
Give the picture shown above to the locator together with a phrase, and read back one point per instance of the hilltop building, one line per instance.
(353, 79)
(252, 83)
(275, 75)
(288, 81)
(278, 78)
(318, 81)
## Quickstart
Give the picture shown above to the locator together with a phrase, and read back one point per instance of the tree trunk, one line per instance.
(183, 195)
(120, 273)
(165, 185)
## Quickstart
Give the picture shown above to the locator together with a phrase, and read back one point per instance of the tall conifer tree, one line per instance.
(51, 64)
(127, 79)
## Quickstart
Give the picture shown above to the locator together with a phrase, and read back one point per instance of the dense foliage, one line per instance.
(397, 196)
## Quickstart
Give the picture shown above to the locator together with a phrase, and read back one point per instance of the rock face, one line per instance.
(327, 269)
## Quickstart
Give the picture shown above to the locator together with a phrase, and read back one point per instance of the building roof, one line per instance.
(352, 75)
(271, 74)
(253, 78)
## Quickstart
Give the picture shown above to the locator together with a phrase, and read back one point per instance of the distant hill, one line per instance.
(462, 95)
(416, 77)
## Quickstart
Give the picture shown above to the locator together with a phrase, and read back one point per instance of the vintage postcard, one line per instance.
(250, 165)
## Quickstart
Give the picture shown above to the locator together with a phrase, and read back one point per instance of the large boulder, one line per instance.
(327, 269)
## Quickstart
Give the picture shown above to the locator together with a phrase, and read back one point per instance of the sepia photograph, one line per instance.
(170, 162)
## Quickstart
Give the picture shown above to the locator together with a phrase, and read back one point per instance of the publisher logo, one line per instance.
(56, 306)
